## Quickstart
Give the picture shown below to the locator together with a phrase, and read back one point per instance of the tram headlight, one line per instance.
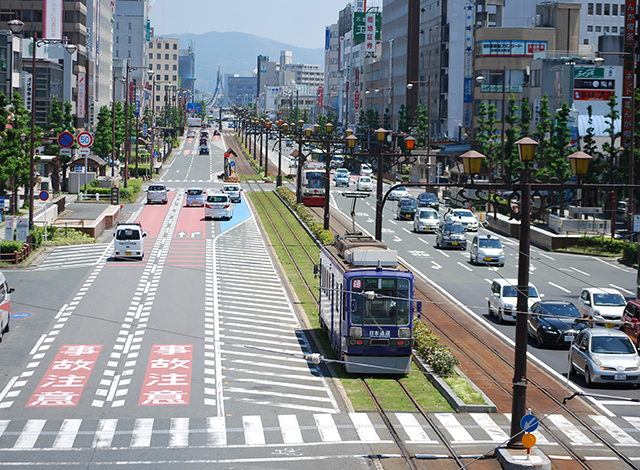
(355, 332)
(404, 332)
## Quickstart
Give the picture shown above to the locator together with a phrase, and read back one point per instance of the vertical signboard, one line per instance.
(320, 92)
(81, 95)
(22, 229)
(370, 33)
(52, 19)
(9, 228)
(628, 74)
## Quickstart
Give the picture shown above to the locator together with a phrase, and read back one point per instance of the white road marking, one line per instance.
(104, 434)
(581, 272)
(179, 432)
(465, 266)
(622, 289)
(616, 432)
(253, 432)
(559, 287)
(30, 434)
(67, 434)
(290, 429)
(456, 430)
(327, 428)
(217, 432)
(577, 437)
(413, 429)
(142, 431)
(490, 427)
(365, 429)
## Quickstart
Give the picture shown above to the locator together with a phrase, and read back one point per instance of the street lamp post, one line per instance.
(380, 134)
(266, 149)
(71, 48)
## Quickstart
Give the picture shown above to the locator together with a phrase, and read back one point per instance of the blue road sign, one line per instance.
(65, 140)
(529, 423)
(20, 315)
(44, 195)
(232, 163)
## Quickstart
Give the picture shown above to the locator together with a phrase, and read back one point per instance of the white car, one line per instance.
(465, 217)
(365, 170)
(364, 184)
(601, 302)
(129, 241)
(425, 220)
(218, 206)
(5, 305)
(397, 194)
(195, 197)
(503, 299)
(234, 191)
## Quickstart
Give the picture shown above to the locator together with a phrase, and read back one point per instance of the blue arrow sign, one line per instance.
(20, 315)
(529, 423)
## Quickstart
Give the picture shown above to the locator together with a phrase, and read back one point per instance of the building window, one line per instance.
(175, 78)
(622, 9)
(166, 57)
(129, 25)
(158, 78)
(614, 9)
(166, 46)
(175, 67)
(614, 29)
(590, 28)
(117, 42)
(166, 66)
(175, 46)
(607, 9)
(589, 8)
(117, 52)
(585, 41)
(117, 25)
(159, 56)
(150, 55)
(158, 68)
(606, 29)
(598, 8)
(598, 29)
(129, 39)
(166, 78)
(175, 56)
(150, 45)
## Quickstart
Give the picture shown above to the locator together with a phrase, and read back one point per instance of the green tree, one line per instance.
(422, 126)
(542, 133)
(609, 148)
(555, 161)
(60, 120)
(485, 140)
(524, 124)
(103, 139)
(386, 119)
(404, 119)
(512, 118)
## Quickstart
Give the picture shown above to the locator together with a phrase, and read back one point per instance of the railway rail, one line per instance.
(483, 357)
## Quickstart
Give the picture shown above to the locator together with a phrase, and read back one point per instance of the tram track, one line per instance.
(489, 362)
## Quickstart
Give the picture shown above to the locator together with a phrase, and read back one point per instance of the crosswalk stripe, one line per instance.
(30, 434)
(633, 420)
(490, 427)
(3, 425)
(616, 432)
(577, 437)
(67, 434)
(105, 432)
(217, 431)
(457, 432)
(327, 428)
(142, 431)
(290, 429)
(364, 428)
(413, 428)
(179, 433)
(253, 432)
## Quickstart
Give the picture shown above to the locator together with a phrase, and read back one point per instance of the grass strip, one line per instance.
(423, 391)
(465, 391)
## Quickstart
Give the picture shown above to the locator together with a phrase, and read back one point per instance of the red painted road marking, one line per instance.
(153, 215)
(191, 220)
(168, 378)
(187, 253)
(67, 376)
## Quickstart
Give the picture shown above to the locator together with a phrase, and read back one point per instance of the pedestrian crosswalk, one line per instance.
(479, 429)
(75, 256)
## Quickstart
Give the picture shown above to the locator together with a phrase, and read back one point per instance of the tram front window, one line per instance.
(389, 306)
(315, 183)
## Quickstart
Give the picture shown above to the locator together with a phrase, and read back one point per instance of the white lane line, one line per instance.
(253, 431)
(290, 429)
(545, 255)
(104, 434)
(611, 265)
(443, 253)
(142, 432)
(559, 287)
(465, 266)
(622, 289)
(216, 431)
(365, 429)
(581, 272)
(67, 435)
(424, 241)
(327, 428)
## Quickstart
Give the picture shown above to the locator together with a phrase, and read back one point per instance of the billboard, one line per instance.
(52, 19)
(362, 25)
(509, 48)
(194, 107)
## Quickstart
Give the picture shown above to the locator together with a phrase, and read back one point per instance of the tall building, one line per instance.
(130, 39)
(100, 51)
(600, 19)
(187, 70)
(163, 60)
(241, 90)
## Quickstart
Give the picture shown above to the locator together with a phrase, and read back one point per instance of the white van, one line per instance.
(129, 241)
(5, 305)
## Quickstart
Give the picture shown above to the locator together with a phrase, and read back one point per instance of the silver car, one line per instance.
(605, 355)
(234, 191)
(195, 197)
(157, 193)
(425, 220)
(485, 250)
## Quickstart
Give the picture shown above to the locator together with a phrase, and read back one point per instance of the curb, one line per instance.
(451, 396)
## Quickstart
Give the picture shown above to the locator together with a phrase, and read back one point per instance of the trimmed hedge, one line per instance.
(9, 246)
(427, 344)
(325, 236)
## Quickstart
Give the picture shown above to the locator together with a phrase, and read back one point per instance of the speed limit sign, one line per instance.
(85, 139)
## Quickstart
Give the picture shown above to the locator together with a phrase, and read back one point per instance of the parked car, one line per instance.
(234, 191)
(195, 197)
(157, 193)
(450, 234)
(425, 220)
(553, 322)
(604, 355)
(129, 241)
(485, 250)
(428, 200)
(364, 183)
(5, 305)
(218, 206)
(365, 170)
(406, 208)
(631, 321)
(342, 177)
(398, 193)
(601, 303)
(503, 298)
(466, 218)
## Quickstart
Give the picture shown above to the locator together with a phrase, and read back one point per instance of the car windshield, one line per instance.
(608, 300)
(231, 188)
(342, 171)
(194, 192)
(391, 305)
(128, 234)
(489, 243)
(453, 228)
(612, 345)
(408, 203)
(156, 188)
(428, 215)
(560, 310)
(400, 189)
(512, 291)
(365, 179)
(428, 196)
(463, 213)
(217, 198)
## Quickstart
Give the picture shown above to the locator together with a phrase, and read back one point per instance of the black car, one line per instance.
(407, 208)
(428, 200)
(553, 322)
(204, 150)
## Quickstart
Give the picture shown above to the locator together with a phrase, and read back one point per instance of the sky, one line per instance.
(299, 23)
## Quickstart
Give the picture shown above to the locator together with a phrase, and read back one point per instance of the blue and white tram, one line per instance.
(366, 305)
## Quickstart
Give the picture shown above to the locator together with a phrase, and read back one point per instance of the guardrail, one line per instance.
(17, 256)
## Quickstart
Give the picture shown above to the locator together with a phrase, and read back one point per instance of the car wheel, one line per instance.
(471, 259)
(587, 377)
(539, 340)
(501, 265)
(572, 368)
(6, 328)
(501, 316)
(489, 308)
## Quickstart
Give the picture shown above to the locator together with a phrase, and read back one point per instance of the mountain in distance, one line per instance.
(237, 53)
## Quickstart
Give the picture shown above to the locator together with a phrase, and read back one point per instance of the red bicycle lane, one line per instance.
(189, 239)
(152, 216)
